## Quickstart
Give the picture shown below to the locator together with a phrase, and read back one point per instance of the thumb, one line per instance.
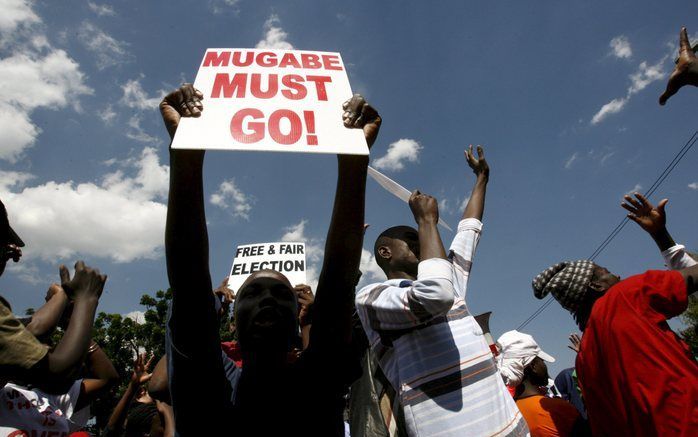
(660, 206)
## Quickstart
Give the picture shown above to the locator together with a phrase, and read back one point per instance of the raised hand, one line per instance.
(53, 290)
(575, 342)
(424, 207)
(141, 369)
(360, 115)
(185, 101)
(224, 293)
(305, 303)
(686, 70)
(479, 164)
(650, 218)
(87, 282)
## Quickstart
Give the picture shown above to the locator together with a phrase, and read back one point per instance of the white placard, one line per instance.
(284, 257)
(271, 100)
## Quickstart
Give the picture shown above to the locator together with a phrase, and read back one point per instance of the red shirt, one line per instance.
(637, 376)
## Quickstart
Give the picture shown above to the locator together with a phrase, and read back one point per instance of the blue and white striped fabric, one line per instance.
(433, 351)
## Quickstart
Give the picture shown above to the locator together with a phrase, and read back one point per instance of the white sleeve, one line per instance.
(387, 307)
(66, 402)
(676, 258)
(463, 251)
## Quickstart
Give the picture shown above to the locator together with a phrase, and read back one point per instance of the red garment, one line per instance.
(637, 376)
(232, 350)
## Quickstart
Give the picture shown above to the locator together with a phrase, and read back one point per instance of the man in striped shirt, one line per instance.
(429, 345)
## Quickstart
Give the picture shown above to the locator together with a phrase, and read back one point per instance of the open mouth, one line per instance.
(267, 317)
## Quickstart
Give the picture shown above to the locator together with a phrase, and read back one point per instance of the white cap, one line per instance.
(515, 344)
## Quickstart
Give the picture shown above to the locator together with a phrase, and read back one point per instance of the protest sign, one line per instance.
(272, 100)
(284, 257)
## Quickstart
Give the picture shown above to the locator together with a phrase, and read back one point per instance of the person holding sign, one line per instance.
(430, 347)
(268, 395)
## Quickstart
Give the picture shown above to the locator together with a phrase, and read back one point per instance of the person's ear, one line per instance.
(384, 252)
(597, 287)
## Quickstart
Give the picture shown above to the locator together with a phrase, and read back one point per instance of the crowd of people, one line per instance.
(402, 357)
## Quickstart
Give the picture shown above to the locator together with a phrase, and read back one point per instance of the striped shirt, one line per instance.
(434, 352)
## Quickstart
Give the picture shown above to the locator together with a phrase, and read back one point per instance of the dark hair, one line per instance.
(583, 311)
(140, 419)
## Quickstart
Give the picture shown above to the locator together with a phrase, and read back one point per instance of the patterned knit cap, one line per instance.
(567, 281)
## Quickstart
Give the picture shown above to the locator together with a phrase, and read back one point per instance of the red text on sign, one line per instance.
(249, 126)
(266, 86)
(308, 61)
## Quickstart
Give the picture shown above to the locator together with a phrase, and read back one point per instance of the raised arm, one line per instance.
(653, 221)
(102, 376)
(476, 204)
(85, 288)
(686, 70)
(193, 338)
(139, 377)
(335, 291)
(47, 317)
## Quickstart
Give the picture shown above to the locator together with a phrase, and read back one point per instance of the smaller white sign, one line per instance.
(284, 257)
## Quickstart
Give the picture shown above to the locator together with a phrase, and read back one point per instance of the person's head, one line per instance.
(266, 313)
(143, 420)
(9, 241)
(397, 250)
(576, 285)
(521, 359)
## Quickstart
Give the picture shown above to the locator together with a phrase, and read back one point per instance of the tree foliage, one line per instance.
(690, 318)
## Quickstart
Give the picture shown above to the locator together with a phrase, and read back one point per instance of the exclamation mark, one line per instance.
(310, 126)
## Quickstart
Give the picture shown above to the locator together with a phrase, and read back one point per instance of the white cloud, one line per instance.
(612, 107)
(571, 159)
(313, 251)
(137, 316)
(107, 115)
(30, 273)
(635, 189)
(231, 198)
(32, 75)
(444, 205)
(135, 97)
(220, 6)
(464, 203)
(274, 36)
(645, 75)
(120, 217)
(108, 51)
(620, 47)
(16, 13)
(136, 132)
(101, 9)
(401, 151)
(370, 272)
(693, 185)
(639, 80)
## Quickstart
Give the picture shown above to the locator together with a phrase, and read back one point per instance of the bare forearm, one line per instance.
(118, 416)
(333, 302)
(430, 245)
(186, 237)
(476, 204)
(74, 343)
(46, 318)
(663, 239)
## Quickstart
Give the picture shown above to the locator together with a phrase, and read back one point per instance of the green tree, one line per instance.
(690, 319)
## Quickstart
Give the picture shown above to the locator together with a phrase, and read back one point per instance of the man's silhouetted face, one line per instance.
(397, 249)
(266, 313)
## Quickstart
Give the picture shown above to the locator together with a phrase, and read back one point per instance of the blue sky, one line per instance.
(562, 97)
